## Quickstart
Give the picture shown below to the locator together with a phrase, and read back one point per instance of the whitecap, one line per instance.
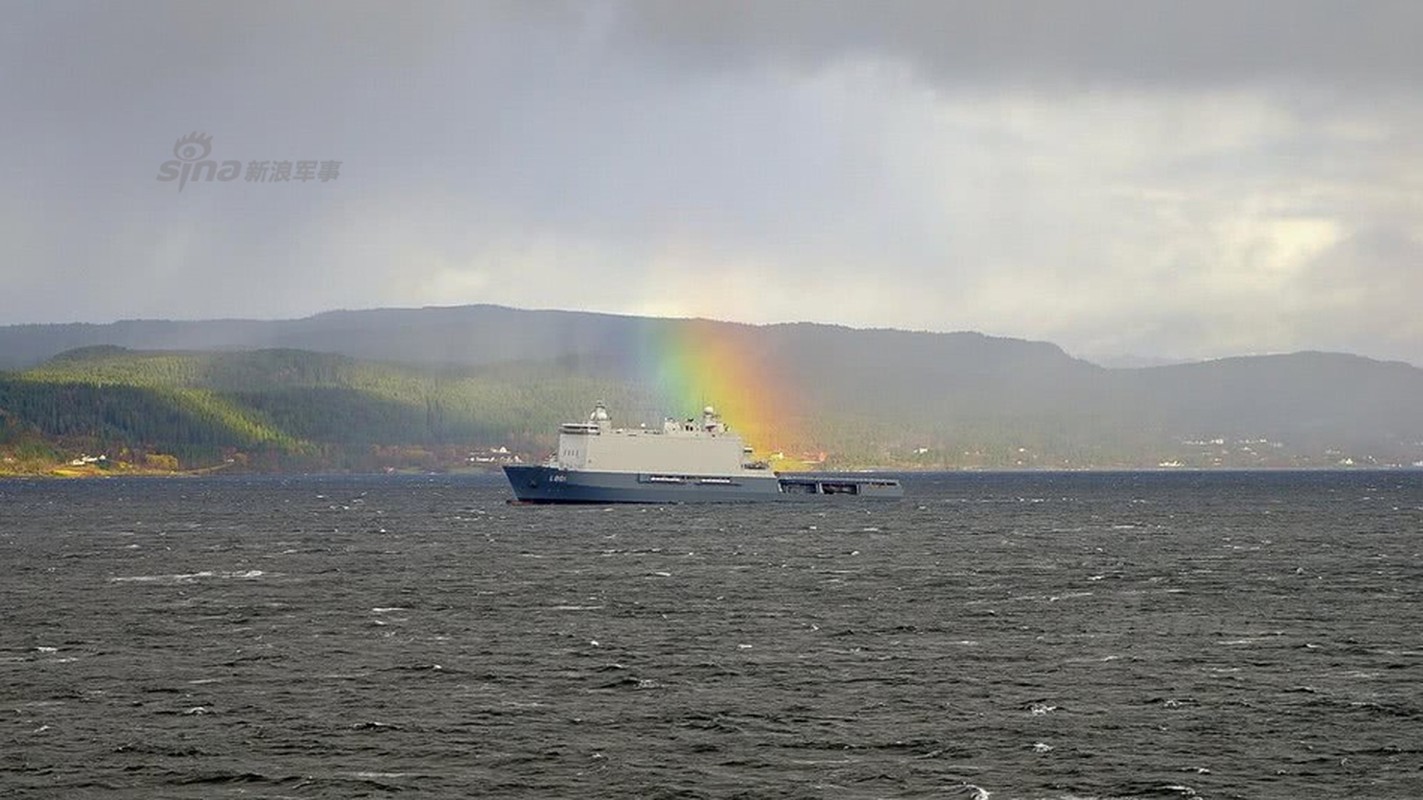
(182, 577)
(979, 793)
(188, 577)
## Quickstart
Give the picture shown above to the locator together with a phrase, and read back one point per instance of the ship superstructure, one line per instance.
(693, 448)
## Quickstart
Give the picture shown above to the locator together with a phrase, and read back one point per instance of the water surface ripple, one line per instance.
(1004, 636)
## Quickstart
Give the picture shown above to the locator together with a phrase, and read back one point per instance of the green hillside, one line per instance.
(281, 410)
(857, 397)
(287, 409)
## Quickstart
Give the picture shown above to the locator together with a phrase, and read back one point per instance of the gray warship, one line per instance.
(682, 462)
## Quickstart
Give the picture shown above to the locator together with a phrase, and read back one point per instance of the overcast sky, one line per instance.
(1186, 179)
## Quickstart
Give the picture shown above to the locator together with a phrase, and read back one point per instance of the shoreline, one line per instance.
(69, 473)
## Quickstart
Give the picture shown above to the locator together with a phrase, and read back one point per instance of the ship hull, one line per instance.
(545, 484)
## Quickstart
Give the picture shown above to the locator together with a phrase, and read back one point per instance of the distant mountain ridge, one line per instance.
(452, 335)
(464, 335)
(482, 374)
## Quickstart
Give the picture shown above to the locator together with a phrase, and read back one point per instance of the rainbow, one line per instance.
(692, 363)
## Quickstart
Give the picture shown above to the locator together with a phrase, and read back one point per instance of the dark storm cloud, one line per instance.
(1113, 42)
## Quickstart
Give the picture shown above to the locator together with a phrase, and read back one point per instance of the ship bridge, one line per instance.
(707, 447)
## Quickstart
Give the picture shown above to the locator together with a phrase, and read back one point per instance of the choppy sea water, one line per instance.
(991, 636)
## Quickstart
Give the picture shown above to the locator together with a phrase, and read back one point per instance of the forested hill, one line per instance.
(433, 388)
(275, 410)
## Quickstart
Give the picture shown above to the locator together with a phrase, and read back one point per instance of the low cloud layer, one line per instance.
(1156, 179)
